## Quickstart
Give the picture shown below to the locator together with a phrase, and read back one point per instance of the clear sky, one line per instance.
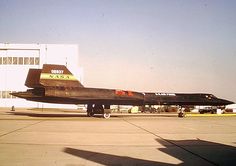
(143, 45)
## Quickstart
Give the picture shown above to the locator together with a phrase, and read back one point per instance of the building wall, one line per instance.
(15, 61)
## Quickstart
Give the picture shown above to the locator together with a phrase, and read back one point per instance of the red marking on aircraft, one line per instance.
(120, 92)
(130, 93)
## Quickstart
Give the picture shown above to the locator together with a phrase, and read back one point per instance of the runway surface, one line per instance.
(29, 137)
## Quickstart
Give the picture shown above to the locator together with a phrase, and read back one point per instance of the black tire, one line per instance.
(106, 115)
(90, 114)
(181, 115)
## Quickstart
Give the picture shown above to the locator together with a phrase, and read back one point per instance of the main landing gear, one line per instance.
(98, 109)
(181, 113)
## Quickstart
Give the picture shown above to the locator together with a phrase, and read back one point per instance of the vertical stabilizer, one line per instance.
(58, 75)
(33, 77)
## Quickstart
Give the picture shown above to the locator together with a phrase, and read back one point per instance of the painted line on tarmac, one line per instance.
(209, 115)
(20, 128)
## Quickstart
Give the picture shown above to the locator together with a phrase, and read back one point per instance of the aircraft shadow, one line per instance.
(189, 152)
(109, 159)
(79, 114)
(56, 115)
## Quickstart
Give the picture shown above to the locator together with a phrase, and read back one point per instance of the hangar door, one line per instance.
(14, 65)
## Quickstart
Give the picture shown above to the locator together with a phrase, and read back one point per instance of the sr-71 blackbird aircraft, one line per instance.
(56, 84)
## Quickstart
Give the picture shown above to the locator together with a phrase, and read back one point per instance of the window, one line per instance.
(14, 61)
(20, 61)
(4, 95)
(26, 60)
(36, 61)
(4, 60)
(8, 94)
(9, 60)
(31, 60)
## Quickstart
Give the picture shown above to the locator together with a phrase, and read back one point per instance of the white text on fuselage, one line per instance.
(165, 94)
(58, 76)
(57, 71)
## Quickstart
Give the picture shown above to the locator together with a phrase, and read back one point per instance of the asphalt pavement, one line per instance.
(29, 137)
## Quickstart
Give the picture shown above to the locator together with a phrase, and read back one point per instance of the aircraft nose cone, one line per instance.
(230, 102)
(226, 102)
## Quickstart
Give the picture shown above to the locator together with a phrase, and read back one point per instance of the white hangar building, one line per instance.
(15, 61)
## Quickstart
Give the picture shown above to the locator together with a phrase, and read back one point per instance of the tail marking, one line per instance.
(47, 76)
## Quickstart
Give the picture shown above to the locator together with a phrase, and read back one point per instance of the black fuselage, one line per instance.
(76, 95)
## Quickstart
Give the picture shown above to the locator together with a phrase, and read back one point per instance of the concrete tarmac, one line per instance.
(29, 137)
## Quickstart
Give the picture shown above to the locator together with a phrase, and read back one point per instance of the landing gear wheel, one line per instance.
(90, 111)
(106, 115)
(181, 115)
(90, 114)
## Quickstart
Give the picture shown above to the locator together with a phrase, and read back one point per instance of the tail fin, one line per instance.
(58, 75)
(33, 77)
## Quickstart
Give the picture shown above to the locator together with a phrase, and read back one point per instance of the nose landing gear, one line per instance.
(181, 113)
